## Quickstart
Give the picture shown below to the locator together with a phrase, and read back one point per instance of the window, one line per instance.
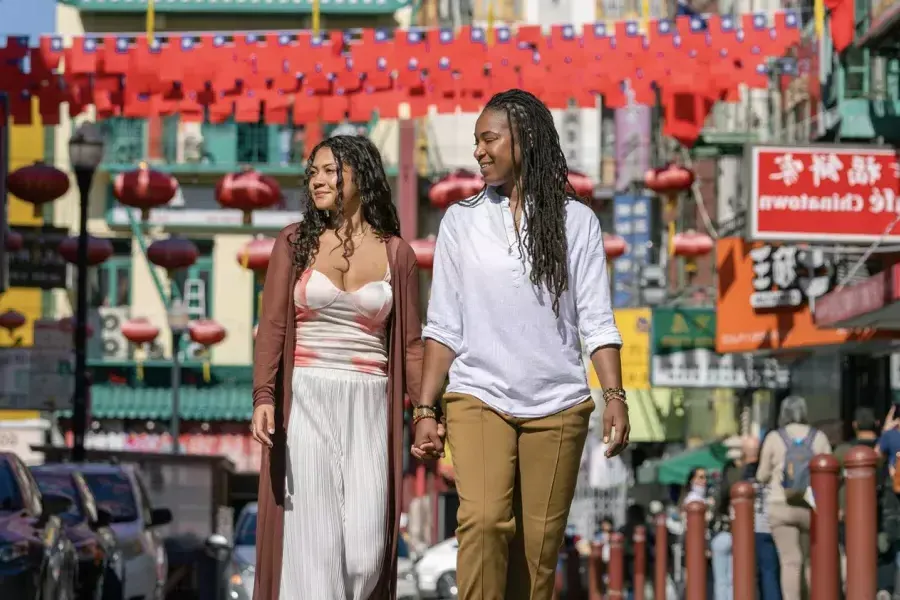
(114, 494)
(10, 495)
(111, 281)
(126, 140)
(195, 283)
(62, 484)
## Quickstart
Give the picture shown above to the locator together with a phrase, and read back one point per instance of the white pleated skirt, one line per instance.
(337, 485)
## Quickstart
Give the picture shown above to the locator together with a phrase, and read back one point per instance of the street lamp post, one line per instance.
(178, 319)
(85, 154)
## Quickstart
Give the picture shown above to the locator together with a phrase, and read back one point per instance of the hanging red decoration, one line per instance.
(691, 244)
(98, 250)
(173, 253)
(68, 324)
(424, 250)
(207, 333)
(248, 191)
(671, 179)
(456, 186)
(37, 184)
(582, 184)
(614, 245)
(12, 320)
(145, 189)
(14, 242)
(256, 253)
(140, 331)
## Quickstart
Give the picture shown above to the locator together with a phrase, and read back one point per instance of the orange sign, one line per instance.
(763, 298)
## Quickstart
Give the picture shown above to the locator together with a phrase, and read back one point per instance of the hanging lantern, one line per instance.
(457, 186)
(248, 191)
(255, 254)
(145, 189)
(14, 242)
(98, 250)
(140, 331)
(691, 244)
(207, 333)
(614, 245)
(173, 253)
(37, 184)
(68, 324)
(672, 179)
(424, 250)
(12, 320)
(582, 184)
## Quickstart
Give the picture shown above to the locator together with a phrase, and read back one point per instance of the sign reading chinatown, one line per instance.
(824, 193)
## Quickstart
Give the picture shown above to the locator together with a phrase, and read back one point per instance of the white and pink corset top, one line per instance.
(338, 329)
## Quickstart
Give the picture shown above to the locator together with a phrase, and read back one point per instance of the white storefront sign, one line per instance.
(704, 368)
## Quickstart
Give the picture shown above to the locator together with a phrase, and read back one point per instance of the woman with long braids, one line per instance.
(519, 289)
(338, 346)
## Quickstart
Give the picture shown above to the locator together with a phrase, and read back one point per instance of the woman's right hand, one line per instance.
(262, 425)
(429, 440)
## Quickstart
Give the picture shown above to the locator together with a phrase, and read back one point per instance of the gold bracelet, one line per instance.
(423, 412)
(615, 394)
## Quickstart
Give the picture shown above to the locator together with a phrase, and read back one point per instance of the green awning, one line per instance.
(675, 470)
(215, 403)
(256, 7)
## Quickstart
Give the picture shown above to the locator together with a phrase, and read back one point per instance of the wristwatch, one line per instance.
(426, 412)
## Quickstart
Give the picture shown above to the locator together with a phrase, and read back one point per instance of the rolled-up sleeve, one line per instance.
(596, 323)
(444, 321)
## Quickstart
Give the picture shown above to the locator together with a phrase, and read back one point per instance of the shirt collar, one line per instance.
(495, 196)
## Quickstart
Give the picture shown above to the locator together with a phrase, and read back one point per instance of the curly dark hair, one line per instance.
(363, 158)
(542, 180)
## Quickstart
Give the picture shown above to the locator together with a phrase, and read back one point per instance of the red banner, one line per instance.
(824, 193)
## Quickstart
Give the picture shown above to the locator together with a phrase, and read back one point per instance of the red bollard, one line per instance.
(616, 566)
(743, 536)
(574, 589)
(695, 550)
(640, 561)
(595, 572)
(825, 582)
(859, 522)
(661, 560)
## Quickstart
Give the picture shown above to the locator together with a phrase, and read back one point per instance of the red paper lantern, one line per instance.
(173, 253)
(145, 189)
(582, 184)
(206, 332)
(457, 186)
(38, 184)
(98, 250)
(671, 179)
(139, 331)
(424, 250)
(692, 244)
(12, 320)
(68, 324)
(15, 241)
(614, 245)
(256, 253)
(248, 191)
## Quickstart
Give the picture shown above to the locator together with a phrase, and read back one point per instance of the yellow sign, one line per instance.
(634, 326)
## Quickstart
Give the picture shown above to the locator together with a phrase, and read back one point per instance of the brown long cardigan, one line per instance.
(272, 370)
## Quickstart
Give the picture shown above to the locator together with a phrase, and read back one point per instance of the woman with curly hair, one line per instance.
(338, 346)
(520, 289)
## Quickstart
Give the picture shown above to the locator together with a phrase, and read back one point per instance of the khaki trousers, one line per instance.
(515, 478)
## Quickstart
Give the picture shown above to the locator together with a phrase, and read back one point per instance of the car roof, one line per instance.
(84, 468)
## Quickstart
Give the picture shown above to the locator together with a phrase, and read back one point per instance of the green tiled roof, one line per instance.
(215, 403)
(301, 7)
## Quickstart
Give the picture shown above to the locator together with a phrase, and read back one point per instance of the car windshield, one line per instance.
(10, 495)
(113, 493)
(61, 484)
(246, 531)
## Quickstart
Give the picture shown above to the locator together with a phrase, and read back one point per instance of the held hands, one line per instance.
(262, 425)
(429, 440)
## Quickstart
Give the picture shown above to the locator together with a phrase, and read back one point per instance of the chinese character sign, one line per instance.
(826, 193)
(631, 220)
(789, 276)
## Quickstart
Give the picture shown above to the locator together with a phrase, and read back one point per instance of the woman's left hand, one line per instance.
(615, 417)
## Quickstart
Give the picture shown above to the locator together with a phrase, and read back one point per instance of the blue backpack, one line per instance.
(795, 478)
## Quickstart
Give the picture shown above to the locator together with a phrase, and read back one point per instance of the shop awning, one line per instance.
(675, 470)
(872, 303)
(885, 28)
(216, 403)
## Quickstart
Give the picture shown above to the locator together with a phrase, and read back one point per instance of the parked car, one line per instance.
(407, 588)
(120, 491)
(88, 528)
(36, 559)
(243, 555)
(436, 571)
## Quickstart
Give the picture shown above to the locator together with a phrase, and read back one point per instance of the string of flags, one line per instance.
(688, 64)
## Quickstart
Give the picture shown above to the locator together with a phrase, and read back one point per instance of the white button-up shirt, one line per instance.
(512, 352)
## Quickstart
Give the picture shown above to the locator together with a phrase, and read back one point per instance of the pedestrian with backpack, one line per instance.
(784, 469)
